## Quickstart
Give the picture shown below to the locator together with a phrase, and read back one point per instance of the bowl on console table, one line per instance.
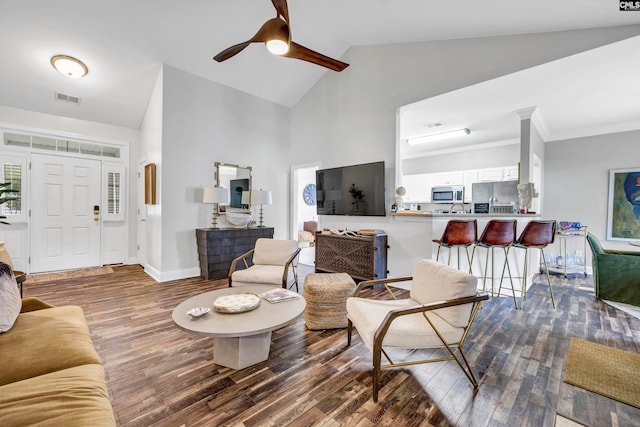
(238, 219)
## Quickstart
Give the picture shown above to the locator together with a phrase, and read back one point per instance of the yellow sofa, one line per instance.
(50, 373)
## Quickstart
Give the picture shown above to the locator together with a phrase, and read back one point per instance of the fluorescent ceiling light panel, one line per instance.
(438, 136)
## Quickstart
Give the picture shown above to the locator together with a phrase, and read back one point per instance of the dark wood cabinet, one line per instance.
(217, 248)
(362, 257)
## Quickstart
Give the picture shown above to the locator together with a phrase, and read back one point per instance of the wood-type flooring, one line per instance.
(160, 375)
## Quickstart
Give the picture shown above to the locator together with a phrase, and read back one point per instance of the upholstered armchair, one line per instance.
(616, 274)
(442, 304)
(270, 262)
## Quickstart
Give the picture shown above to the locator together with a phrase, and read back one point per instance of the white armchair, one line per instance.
(270, 262)
(441, 306)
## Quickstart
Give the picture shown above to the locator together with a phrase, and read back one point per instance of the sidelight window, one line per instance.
(13, 170)
(114, 184)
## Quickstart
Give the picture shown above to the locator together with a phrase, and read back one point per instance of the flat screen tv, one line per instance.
(351, 190)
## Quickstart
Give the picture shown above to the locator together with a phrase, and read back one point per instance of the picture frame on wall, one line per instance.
(623, 215)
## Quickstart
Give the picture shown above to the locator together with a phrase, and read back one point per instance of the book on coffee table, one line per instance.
(279, 295)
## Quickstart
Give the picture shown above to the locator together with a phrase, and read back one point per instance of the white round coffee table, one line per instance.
(239, 339)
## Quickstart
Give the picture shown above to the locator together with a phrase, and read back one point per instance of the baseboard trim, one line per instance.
(166, 276)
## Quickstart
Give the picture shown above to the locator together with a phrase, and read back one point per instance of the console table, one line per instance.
(218, 247)
(361, 257)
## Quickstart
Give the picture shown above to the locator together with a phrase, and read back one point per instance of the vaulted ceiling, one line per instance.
(124, 43)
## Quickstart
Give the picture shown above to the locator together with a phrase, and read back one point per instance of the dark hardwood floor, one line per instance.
(159, 375)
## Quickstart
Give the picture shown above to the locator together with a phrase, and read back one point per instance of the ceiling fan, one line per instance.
(276, 35)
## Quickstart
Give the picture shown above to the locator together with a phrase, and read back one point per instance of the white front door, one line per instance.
(65, 230)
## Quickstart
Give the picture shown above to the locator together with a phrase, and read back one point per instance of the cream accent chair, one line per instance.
(270, 262)
(442, 304)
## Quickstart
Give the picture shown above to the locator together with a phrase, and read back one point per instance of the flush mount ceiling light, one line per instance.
(69, 66)
(438, 136)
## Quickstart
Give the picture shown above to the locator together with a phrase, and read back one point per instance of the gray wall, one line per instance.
(576, 178)
(204, 122)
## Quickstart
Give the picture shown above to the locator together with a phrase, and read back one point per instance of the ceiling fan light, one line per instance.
(69, 66)
(277, 46)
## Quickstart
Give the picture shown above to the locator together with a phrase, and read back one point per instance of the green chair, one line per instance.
(616, 274)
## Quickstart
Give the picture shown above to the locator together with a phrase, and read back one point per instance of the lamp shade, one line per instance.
(260, 197)
(215, 195)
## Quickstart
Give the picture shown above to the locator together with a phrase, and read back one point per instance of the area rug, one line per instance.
(69, 274)
(604, 370)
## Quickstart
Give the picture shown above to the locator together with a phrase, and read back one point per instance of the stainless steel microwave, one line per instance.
(448, 194)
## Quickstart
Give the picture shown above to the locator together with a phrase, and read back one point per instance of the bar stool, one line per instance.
(498, 233)
(458, 233)
(536, 235)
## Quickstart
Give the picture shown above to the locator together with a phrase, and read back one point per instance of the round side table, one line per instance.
(20, 278)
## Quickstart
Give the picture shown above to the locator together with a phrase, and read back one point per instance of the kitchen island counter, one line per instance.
(428, 214)
(430, 225)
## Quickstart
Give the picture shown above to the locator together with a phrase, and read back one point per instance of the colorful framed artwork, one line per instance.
(624, 205)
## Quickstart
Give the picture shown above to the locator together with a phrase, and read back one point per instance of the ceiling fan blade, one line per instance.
(297, 51)
(281, 8)
(268, 30)
(231, 51)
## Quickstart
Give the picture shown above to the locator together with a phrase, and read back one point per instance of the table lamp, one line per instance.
(215, 195)
(260, 197)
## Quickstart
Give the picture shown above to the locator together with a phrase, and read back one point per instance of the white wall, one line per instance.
(305, 212)
(576, 179)
(151, 152)
(204, 122)
(350, 117)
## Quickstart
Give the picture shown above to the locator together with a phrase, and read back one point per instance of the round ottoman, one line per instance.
(326, 295)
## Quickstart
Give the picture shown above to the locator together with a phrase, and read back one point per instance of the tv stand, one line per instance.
(361, 257)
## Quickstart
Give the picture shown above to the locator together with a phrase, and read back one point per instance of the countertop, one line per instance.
(429, 214)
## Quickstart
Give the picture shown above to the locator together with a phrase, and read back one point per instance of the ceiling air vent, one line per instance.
(67, 98)
(433, 125)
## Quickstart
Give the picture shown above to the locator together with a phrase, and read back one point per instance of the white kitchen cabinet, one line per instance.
(411, 183)
(511, 173)
(418, 189)
(427, 184)
(419, 185)
(469, 178)
(490, 174)
(448, 178)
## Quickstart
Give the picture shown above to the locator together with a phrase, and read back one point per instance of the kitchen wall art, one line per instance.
(623, 216)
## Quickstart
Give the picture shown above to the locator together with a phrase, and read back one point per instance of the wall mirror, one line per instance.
(237, 179)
